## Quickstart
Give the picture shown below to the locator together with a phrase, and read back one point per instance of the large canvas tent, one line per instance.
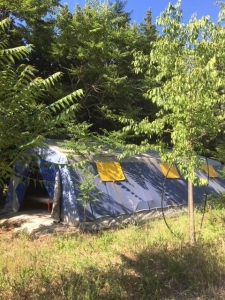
(123, 190)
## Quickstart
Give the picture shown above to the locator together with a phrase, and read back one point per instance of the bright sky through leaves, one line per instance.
(139, 8)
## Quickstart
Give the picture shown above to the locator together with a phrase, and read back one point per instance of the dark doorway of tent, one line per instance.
(36, 197)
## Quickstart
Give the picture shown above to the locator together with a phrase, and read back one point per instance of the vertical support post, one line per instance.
(191, 213)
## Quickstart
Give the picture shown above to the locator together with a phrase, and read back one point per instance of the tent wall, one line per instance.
(17, 188)
(48, 172)
(140, 193)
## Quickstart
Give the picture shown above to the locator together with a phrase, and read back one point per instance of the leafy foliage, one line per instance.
(24, 122)
(190, 105)
(94, 46)
(88, 193)
(187, 64)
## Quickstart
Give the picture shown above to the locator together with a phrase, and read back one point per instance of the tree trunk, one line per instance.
(191, 213)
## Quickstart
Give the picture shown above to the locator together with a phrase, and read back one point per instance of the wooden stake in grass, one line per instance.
(191, 213)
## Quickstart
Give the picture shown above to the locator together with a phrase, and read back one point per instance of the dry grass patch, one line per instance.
(137, 262)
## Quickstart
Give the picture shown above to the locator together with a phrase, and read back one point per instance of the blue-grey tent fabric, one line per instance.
(18, 186)
(140, 191)
(22, 173)
(56, 199)
(48, 172)
(70, 207)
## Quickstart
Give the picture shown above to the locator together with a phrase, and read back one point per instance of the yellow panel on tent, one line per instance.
(110, 171)
(209, 170)
(170, 173)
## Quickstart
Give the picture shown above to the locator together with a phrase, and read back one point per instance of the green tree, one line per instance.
(94, 47)
(23, 121)
(191, 108)
(32, 22)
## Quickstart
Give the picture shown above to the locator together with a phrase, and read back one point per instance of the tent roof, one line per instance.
(56, 148)
(57, 152)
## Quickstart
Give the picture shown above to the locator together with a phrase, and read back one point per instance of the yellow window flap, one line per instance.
(172, 174)
(210, 170)
(110, 171)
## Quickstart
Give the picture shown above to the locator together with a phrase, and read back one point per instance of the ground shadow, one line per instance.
(156, 273)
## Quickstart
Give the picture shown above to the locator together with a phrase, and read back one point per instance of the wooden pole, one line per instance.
(191, 213)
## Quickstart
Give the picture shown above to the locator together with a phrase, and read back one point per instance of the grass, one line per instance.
(136, 262)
